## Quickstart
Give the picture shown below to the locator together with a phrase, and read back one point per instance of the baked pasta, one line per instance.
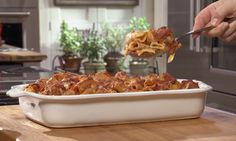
(103, 82)
(151, 43)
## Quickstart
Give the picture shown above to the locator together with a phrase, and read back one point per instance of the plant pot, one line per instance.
(93, 67)
(70, 63)
(112, 59)
(138, 67)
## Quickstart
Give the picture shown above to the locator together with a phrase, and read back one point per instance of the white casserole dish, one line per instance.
(101, 109)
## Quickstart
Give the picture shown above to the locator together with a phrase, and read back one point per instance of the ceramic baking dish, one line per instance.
(101, 109)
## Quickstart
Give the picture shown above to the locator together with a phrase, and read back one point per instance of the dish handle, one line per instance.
(16, 92)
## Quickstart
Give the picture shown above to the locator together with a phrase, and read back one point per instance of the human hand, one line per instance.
(214, 15)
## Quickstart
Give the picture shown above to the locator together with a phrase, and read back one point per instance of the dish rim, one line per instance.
(18, 91)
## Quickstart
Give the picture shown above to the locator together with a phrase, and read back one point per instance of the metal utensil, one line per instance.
(198, 31)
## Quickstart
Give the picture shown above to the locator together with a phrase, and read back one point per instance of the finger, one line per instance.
(198, 34)
(230, 38)
(230, 30)
(217, 17)
(194, 36)
(203, 17)
(219, 30)
(223, 10)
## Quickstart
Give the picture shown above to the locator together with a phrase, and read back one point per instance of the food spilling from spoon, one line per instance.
(152, 43)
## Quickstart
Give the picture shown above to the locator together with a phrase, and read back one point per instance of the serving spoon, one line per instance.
(198, 31)
(207, 28)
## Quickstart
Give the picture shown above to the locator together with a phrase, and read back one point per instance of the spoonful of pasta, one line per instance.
(152, 43)
(156, 42)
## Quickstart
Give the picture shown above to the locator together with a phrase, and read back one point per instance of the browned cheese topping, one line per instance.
(103, 82)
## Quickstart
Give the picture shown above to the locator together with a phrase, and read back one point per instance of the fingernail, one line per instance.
(214, 21)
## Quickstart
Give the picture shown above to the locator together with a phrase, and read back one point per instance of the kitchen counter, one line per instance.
(10, 53)
(17, 76)
(213, 125)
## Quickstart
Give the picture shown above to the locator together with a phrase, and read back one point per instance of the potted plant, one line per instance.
(70, 46)
(138, 66)
(92, 47)
(114, 36)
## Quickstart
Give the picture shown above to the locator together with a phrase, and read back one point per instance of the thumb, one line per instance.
(221, 12)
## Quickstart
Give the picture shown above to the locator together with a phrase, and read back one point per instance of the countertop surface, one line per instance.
(213, 125)
(10, 53)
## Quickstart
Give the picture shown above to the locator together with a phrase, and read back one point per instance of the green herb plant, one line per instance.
(92, 45)
(69, 40)
(114, 36)
(136, 24)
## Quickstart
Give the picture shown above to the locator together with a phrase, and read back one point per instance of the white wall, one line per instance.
(161, 19)
(82, 17)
